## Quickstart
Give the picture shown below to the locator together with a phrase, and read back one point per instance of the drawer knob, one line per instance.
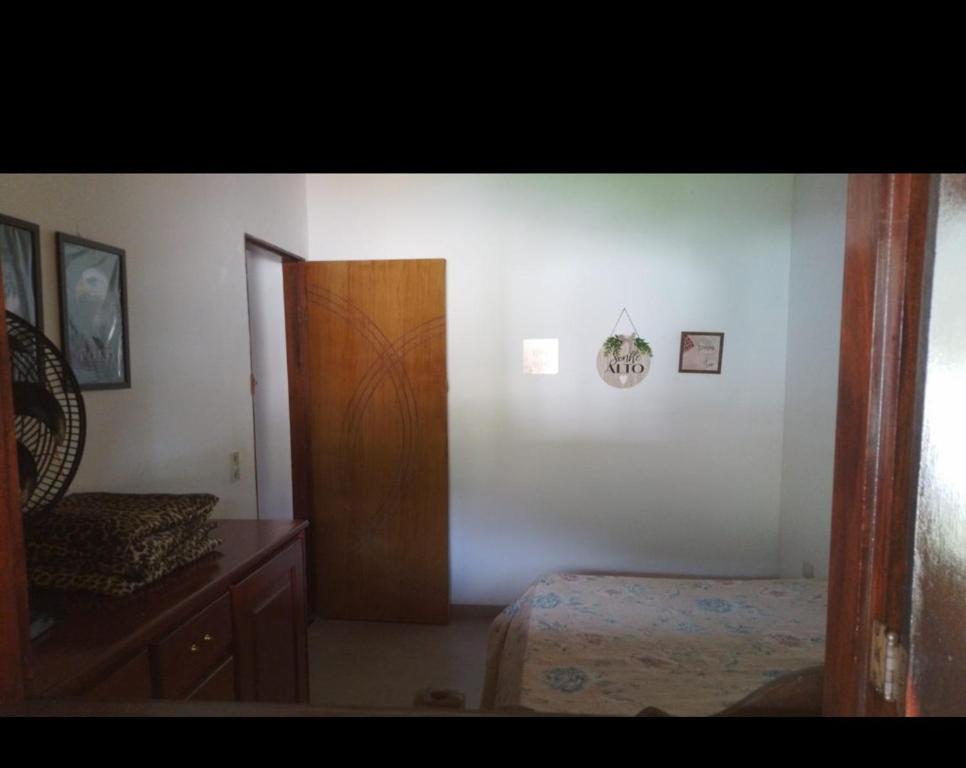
(194, 648)
(208, 638)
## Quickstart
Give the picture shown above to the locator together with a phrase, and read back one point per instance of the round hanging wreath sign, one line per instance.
(624, 361)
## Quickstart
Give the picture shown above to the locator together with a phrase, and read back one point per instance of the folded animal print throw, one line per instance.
(93, 577)
(145, 559)
(116, 543)
(114, 526)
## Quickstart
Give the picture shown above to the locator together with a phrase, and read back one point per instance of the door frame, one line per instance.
(884, 303)
(293, 297)
(287, 257)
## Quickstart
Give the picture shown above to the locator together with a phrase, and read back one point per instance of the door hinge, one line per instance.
(888, 663)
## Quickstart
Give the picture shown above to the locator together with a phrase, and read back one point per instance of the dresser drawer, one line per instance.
(185, 657)
(219, 685)
(131, 682)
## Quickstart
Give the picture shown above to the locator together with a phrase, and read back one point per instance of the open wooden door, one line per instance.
(936, 682)
(367, 347)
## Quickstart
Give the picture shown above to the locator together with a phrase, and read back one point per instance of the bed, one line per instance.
(616, 645)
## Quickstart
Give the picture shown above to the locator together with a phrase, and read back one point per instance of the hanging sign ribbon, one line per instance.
(623, 361)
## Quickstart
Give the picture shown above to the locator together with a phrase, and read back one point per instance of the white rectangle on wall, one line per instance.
(540, 356)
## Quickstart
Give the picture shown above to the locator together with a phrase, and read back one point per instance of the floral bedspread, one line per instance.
(614, 645)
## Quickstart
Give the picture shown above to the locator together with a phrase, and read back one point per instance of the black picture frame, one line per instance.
(684, 336)
(35, 271)
(81, 368)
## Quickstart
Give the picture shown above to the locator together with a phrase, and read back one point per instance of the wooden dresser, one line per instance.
(230, 626)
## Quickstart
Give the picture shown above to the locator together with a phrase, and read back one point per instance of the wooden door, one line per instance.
(937, 631)
(376, 416)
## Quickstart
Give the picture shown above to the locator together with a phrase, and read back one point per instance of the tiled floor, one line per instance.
(372, 664)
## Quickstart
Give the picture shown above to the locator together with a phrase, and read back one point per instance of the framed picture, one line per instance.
(701, 352)
(20, 258)
(93, 312)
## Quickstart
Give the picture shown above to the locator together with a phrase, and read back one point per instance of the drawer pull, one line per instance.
(185, 656)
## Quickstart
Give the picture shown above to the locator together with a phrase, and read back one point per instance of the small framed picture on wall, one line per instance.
(93, 312)
(701, 352)
(20, 261)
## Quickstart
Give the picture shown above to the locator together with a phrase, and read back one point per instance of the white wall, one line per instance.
(189, 405)
(273, 434)
(811, 380)
(680, 474)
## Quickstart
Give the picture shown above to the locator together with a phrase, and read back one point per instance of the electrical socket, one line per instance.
(808, 570)
(235, 467)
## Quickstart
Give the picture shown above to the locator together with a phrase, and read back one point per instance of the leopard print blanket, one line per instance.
(115, 525)
(89, 577)
(116, 543)
(149, 557)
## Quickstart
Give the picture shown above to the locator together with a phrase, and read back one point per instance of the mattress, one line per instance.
(613, 645)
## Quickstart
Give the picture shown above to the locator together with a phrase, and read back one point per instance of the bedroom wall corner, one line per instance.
(811, 374)
(189, 406)
(561, 472)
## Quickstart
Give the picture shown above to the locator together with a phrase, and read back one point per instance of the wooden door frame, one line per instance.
(287, 257)
(296, 341)
(293, 288)
(886, 279)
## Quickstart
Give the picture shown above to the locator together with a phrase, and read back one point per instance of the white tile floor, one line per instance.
(373, 664)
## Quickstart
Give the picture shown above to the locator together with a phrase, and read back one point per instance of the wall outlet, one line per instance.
(808, 570)
(235, 467)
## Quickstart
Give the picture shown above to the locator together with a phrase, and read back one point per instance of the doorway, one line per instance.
(269, 378)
